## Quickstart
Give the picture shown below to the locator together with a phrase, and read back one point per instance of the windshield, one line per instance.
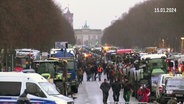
(49, 88)
(175, 83)
(155, 79)
(48, 67)
(70, 65)
(165, 80)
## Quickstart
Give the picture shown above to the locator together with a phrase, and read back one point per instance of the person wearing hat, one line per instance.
(143, 93)
(23, 99)
(105, 87)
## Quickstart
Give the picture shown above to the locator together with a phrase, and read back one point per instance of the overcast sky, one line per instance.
(97, 13)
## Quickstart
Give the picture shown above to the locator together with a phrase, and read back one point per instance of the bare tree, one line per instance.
(144, 26)
(32, 24)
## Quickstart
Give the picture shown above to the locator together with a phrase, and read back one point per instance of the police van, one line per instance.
(38, 89)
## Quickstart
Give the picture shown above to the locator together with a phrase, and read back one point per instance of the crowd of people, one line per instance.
(115, 77)
(143, 92)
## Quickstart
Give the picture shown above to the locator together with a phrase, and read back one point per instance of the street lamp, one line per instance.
(182, 40)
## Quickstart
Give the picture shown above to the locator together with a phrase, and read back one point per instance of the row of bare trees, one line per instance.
(145, 26)
(32, 24)
(35, 24)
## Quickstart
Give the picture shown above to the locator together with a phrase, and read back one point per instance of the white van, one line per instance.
(40, 91)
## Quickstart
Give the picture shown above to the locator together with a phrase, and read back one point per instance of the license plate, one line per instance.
(179, 95)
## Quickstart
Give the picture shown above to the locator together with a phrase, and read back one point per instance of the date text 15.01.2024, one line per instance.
(165, 10)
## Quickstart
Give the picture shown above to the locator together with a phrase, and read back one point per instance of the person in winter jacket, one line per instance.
(105, 87)
(127, 90)
(80, 73)
(99, 70)
(143, 92)
(116, 88)
(23, 99)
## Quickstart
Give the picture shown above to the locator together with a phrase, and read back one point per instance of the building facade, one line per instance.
(87, 36)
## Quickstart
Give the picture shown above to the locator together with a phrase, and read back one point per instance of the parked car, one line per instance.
(161, 84)
(174, 87)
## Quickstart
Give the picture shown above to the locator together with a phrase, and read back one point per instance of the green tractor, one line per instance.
(55, 71)
(148, 74)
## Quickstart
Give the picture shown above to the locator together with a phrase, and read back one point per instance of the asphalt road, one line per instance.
(90, 93)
